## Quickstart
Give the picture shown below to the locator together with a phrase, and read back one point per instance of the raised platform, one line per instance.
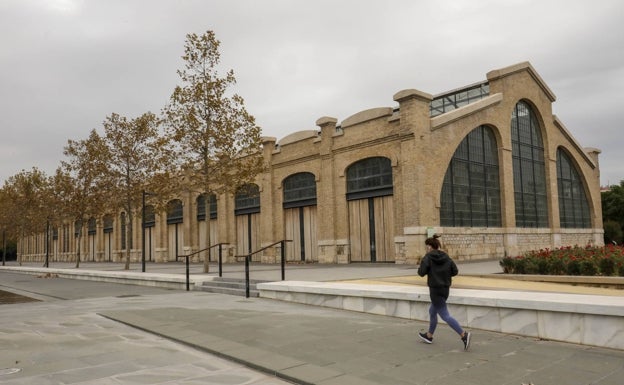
(577, 318)
(168, 281)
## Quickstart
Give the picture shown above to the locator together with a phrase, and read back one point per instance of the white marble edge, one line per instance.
(555, 302)
(121, 275)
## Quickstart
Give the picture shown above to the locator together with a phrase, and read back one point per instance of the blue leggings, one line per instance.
(439, 296)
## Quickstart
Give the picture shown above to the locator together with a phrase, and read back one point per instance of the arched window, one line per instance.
(175, 212)
(371, 177)
(471, 189)
(66, 238)
(122, 221)
(202, 201)
(201, 207)
(77, 228)
(299, 190)
(212, 206)
(91, 226)
(247, 200)
(108, 223)
(573, 205)
(527, 151)
(150, 216)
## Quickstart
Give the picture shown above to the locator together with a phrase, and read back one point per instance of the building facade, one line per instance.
(487, 166)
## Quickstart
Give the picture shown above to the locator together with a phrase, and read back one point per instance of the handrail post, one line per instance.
(187, 274)
(220, 261)
(247, 275)
(283, 252)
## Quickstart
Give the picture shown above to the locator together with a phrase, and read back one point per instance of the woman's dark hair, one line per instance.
(433, 242)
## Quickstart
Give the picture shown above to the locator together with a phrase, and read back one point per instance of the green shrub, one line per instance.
(606, 266)
(574, 267)
(507, 263)
(531, 266)
(557, 267)
(519, 264)
(543, 266)
(588, 267)
(590, 260)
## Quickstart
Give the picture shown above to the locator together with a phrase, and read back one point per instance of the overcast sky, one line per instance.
(65, 65)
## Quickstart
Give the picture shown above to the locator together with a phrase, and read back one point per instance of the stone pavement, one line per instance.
(76, 341)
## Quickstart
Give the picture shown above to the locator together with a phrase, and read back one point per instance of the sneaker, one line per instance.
(423, 336)
(466, 340)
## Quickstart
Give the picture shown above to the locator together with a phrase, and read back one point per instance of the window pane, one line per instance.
(469, 183)
(573, 204)
(369, 176)
(528, 168)
(301, 188)
(247, 200)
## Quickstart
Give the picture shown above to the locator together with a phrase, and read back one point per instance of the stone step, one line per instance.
(231, 286)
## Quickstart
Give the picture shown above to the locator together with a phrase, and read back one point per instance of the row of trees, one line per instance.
(204, 140)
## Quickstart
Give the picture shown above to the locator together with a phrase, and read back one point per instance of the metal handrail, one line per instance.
(188, 277)
(248, 257)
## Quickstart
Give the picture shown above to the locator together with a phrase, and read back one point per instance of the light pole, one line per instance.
(47, 241)
(145, 193)
(3, 247)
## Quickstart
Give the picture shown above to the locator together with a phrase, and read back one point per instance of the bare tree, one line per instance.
(135, 155)
(78, 185)
(24, 204)
(218, 142)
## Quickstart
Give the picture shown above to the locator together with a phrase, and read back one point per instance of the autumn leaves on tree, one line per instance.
(205, 141)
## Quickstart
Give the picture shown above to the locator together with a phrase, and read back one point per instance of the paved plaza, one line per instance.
(84, 332)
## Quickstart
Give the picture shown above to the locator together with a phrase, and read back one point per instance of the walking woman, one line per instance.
(439, 269)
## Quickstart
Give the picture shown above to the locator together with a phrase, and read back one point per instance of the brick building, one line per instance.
(487, 166)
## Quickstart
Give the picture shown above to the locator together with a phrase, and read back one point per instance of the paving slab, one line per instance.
(148, 335)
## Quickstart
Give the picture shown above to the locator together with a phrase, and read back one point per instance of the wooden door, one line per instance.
(300, 227)
(371, 235)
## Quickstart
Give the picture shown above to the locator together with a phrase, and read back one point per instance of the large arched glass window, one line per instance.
(175, 212)
(471, 190)
(527, 151)
(573, 205)
(299, 190)
(371, 177)
(247, 200)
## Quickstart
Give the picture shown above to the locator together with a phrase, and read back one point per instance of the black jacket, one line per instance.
(438, 267)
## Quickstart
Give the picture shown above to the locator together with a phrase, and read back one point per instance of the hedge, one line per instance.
(571, 260)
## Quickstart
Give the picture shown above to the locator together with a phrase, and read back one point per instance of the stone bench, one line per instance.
(582, 319)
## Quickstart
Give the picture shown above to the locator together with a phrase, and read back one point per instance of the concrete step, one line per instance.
(231, 286)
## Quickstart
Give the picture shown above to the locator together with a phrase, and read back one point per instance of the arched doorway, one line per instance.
(299, 205)
(92, 239)
(207, 225)
(108, 237)
(247, 212)
(371, 211)
(175, 217)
